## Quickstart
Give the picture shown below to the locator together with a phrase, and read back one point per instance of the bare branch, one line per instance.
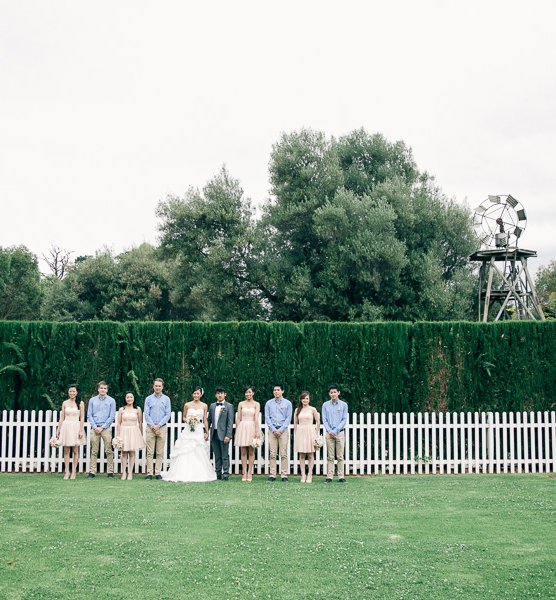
(58, 260)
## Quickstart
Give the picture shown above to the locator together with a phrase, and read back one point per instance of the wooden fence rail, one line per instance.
(375, 444)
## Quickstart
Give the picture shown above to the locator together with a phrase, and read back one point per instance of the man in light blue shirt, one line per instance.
(157, 414)
(278, 416)
(334, 419)
(101, 413)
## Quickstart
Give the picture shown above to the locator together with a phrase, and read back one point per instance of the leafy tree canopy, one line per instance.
(20, 291)
(209, 236)
(352, 231)
(130, 286)
(358, 233)
(545, 285)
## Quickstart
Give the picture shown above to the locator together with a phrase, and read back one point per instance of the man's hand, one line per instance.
(99, 429)
(277, 433)
(227, 439)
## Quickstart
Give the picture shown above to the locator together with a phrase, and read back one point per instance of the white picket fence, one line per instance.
(375, 444)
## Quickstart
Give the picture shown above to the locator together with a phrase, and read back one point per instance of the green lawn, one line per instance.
(472, 536)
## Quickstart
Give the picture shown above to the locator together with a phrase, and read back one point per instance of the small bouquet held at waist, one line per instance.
(257, 441)
(117, 443)
(54, 442)
(192, 421)
(319, 442)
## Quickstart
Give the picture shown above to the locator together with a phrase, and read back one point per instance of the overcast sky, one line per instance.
(108, 106)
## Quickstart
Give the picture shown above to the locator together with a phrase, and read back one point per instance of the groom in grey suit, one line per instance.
(221, 421)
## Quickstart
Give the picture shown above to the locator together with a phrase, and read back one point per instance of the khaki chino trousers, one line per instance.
(155, 446)
(278, 445)
(335, 451)
(106, 435)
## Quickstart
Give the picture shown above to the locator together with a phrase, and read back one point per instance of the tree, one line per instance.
(130, 286)
(20, 290)
(357, 232)
(359, 278)
(209, 236)
(353, 231)
(58, 260)
(545, 285)
(369, 160)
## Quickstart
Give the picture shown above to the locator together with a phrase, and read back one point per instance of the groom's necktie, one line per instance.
(217, 411)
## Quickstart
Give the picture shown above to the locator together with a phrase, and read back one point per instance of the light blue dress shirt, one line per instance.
(334, 416)
(278, 415)
(101, 412)
(157, 410)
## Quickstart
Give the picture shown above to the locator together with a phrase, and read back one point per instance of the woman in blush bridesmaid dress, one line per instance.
(247, 429)
(129, 427)
(306, 424)
(70, 430)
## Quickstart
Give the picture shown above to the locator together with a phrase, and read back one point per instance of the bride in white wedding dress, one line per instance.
(189, 458)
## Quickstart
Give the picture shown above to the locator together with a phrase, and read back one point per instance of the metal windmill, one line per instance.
(504, 278)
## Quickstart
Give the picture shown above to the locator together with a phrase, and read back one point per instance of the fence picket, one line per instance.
(526, 463)
(361, 443)
(511, 441)
(427, 451)
(369, 447)
(552, 463)
(544, 433)
(504, 434)
(434, 446)
(10, 453)
(533, 437)
(411, 447)
(4, 441)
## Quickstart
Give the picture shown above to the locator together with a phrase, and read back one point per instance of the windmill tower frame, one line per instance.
(504, 276)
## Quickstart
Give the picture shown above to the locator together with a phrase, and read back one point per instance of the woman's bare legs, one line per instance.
(67, 462)
(125, 456)
(302, 466)
(311, 463)
(244, 450)
(251, 454)
(75, 459)
(131, 464)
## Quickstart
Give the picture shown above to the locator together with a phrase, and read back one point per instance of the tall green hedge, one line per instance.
(379, 366)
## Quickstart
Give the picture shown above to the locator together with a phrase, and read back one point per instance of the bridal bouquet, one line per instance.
(54, 442)
(192, 422)
(319, 442)
(257, 442)
(117, 443)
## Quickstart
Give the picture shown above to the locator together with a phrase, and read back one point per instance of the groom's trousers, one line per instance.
(221, 455)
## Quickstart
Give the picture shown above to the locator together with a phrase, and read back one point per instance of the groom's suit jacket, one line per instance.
(225, 421)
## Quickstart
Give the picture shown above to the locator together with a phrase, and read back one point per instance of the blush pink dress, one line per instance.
(245, 431)
(69, 431)
(129, 431)
(305, 434)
